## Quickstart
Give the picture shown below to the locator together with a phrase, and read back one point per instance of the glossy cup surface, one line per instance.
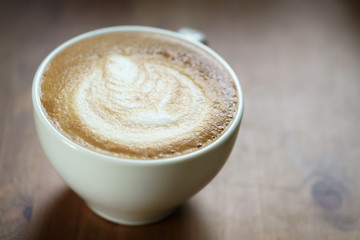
(132, 192)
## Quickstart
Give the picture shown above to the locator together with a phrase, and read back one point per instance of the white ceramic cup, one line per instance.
(132, 192)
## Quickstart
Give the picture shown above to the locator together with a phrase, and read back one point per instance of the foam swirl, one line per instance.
(139, 101)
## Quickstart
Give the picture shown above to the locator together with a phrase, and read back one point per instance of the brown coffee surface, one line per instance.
(138, 95)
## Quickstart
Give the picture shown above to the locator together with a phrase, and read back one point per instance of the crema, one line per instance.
(138, 95)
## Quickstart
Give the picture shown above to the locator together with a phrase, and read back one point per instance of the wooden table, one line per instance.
(295, 170)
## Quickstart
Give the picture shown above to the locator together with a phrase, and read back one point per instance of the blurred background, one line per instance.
(294, 171)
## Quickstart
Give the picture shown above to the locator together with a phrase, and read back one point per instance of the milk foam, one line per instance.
(138, 95)
(134, 101)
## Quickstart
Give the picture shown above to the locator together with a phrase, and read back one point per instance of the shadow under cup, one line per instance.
(132, 192)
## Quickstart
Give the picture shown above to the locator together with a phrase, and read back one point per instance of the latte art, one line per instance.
(138, 95)
(139, 102)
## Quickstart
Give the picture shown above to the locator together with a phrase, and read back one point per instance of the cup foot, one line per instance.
(131, 221)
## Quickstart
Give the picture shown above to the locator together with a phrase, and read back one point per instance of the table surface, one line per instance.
(294, 170)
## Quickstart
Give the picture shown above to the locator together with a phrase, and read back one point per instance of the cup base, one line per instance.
(126, 220)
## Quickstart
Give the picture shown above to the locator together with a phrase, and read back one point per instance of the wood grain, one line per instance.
(294, 171)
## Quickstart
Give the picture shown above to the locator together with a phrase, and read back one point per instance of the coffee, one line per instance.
(138, 95)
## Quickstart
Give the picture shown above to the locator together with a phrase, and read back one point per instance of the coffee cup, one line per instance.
(125, 190)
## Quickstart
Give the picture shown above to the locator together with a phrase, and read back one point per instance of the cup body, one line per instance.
(132, 192)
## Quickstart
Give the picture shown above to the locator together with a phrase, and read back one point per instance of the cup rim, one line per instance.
(134, 28)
